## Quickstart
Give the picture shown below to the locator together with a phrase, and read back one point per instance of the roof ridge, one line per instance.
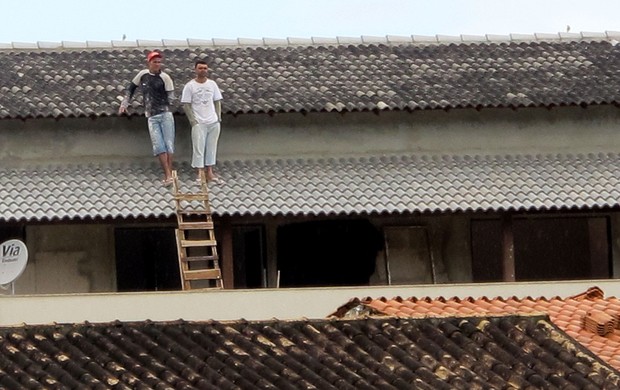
(591, 293)
(613, 36)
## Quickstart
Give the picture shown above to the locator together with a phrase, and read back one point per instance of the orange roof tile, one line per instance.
(566, 313)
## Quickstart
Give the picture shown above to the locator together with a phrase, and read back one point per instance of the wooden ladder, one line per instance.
(196, 244)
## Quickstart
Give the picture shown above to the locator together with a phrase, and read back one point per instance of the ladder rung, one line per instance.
(207, 288)
(197, 243)
(202, 274)
(195, 225)
(194, 211)
(191, 197)
(199, 258)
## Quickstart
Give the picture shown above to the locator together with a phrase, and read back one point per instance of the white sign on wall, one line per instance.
(13, 260)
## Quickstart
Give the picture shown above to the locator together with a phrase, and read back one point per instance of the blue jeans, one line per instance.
(161, 130)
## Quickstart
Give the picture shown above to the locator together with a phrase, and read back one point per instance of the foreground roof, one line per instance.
(331, 75)
(568, 314)
(447, 353)
(397, 184)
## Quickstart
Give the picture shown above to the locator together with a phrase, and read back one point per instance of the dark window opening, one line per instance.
(544, 249)
(327, 253)
(12, 232)
(486, 248)
(249, 256)
(146, 259)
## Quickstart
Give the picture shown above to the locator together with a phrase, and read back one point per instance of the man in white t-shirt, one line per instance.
(201, 101)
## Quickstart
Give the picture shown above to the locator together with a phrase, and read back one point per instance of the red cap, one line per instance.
(153, 54)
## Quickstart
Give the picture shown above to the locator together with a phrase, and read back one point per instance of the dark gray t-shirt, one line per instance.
(157, 90)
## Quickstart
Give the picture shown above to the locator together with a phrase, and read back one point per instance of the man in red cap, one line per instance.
(158, 92)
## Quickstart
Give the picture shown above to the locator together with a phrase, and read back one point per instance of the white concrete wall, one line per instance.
(314, 135)
(261, 304)
(492, 131)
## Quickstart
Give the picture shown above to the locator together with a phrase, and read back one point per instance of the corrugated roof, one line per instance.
(326, 75)
(448, 353)
(396, 184)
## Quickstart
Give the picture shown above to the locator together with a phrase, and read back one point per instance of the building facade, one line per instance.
(345, 163)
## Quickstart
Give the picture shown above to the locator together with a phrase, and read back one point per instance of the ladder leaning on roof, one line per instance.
(196, 244)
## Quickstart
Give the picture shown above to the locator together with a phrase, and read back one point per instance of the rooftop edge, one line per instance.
(612, 36)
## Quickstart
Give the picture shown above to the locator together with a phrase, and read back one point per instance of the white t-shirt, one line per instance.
(201, 96)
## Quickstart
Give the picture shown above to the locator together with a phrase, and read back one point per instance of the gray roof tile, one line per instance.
(394, 184)
(370, 353)
(320, 74)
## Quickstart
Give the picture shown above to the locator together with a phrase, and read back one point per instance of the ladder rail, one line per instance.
(193, 213)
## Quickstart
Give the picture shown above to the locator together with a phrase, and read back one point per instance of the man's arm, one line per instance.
(131, 89)
(168, 86)
(187, 107)
(129, 92)
(218, 109)
(171, 97)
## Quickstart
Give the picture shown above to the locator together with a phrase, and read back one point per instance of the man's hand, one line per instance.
(124, 104)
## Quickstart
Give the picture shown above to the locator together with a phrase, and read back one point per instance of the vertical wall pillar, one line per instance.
(598, 237)
(508, 249)
(224, 235)
(272, 253)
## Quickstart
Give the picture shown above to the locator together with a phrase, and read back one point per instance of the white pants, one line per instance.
(204, 144)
